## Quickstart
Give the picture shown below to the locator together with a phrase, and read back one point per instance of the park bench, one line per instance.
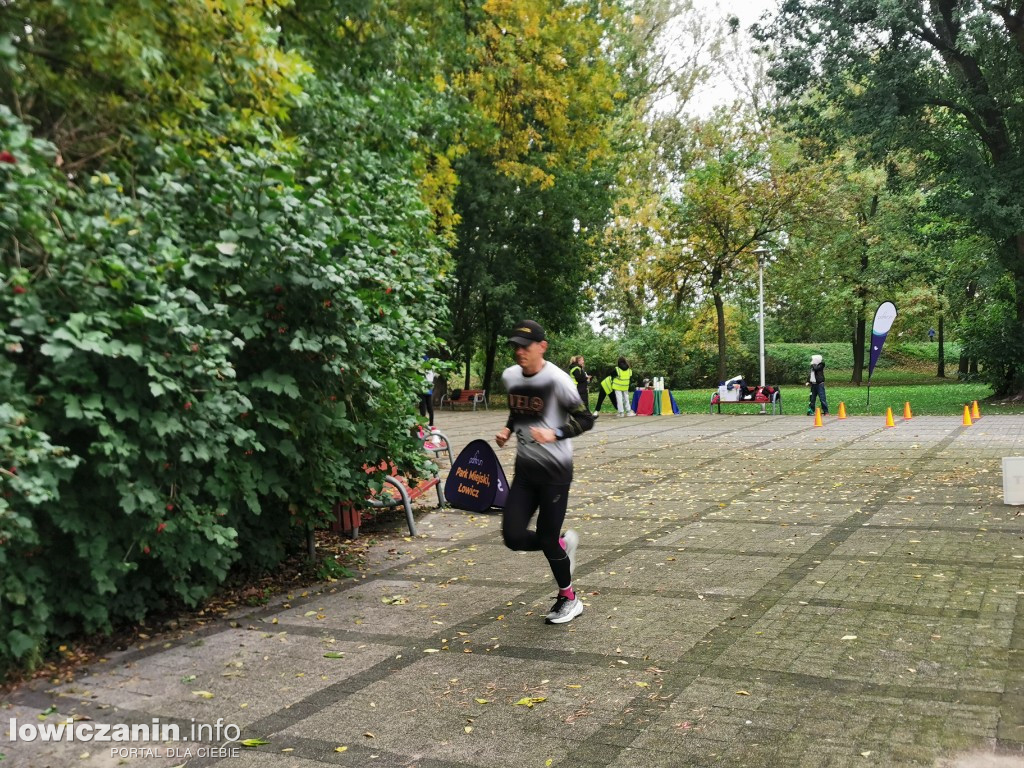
(436, 442)
(398, 491)
(465, 397)
(760, 396)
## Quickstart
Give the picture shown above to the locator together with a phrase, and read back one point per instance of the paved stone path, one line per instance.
(759, 592)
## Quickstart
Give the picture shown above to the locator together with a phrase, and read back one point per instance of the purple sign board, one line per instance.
(476, 481)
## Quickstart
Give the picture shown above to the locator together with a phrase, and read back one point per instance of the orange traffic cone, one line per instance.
(967, 416)
(842, 410)
(817, 417)
(975, 413)
(888, 418)
(906, 411)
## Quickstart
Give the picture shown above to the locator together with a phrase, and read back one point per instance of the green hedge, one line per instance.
(788, 363)
(659, 351)
(193, 368)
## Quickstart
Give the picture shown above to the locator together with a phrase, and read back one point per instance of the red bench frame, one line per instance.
(397, 492)
(466, 396)
(759, 399)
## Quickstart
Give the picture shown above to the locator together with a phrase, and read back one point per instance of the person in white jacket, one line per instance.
(427, 398)
(816, 381)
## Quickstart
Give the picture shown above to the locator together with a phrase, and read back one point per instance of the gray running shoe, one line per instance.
(553, 610)
(572, 540)
(565, 610)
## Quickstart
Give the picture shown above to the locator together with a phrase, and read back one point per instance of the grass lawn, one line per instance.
(906, 373)
(927, 395)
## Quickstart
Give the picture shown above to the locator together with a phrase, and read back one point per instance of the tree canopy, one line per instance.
(940, 79)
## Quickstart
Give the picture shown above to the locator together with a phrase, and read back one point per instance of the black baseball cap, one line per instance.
(525, 333)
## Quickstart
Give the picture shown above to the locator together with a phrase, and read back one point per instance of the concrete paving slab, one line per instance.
(399, 607)
(758, 592)
(744, 537)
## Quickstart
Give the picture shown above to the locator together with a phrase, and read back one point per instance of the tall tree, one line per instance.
(543, 86)
(671, 51)
(522, 251)
(857, 251)
(739, 189)
(98, 78)
(939, 77)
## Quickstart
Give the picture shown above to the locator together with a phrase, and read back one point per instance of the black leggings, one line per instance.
(600, 399)
(526, 497)
(427, 406)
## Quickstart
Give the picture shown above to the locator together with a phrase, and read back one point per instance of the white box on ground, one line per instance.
(1013, 480)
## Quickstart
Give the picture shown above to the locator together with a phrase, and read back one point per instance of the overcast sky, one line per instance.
(720, 91)
(748, 11)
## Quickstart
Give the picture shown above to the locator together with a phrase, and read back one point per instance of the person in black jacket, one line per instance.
(816, 381)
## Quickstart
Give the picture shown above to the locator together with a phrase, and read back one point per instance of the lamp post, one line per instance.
(761, 252)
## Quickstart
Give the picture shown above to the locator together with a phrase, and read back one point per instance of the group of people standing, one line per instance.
(615, 384)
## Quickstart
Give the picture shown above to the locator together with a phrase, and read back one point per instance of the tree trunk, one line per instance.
(941, 372)
(716, 278)
(720, 314)
(492, 353)
(861, 292)
(859, 329)
(469, 364)
(440, 389)
(1016, 377)
(963, 369)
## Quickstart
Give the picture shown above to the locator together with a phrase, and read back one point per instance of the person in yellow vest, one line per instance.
(620, 386)
(578, 371)
(604, 391)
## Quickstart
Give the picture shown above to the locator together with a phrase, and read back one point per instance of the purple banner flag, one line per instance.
(476, 481)
(884, 317)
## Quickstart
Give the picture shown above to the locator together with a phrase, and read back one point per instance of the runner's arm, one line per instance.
(578, 421)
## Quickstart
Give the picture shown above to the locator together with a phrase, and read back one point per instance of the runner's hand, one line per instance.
(543, 434)
(502, 437)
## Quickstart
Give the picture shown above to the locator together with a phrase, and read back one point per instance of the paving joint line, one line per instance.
(704, 653)
(1010, 728)
(635, 544)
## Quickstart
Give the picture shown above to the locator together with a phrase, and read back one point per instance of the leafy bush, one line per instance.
(195, 367)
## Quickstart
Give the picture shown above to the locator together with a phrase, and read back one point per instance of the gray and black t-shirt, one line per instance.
(549, 399)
